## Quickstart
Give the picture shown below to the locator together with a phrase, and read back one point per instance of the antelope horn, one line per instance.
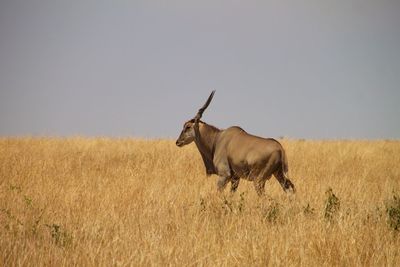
(203, 108)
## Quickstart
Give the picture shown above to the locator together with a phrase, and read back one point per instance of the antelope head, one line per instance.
(189, 130)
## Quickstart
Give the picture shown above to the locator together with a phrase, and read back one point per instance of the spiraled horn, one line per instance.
(203, 108)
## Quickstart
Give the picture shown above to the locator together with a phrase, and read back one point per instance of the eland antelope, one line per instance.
(233, 154)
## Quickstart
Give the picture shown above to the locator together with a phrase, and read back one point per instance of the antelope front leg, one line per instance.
(221, 183)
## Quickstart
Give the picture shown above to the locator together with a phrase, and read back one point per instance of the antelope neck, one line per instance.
(206, 141)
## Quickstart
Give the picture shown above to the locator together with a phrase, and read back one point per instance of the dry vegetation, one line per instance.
(114, 202)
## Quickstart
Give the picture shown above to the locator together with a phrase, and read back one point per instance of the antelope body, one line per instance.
(233, 154)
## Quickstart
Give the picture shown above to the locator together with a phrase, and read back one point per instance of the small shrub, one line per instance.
(227, 206)
(202, 204)
(332, 205)
(60, 237)
(241, 202)
(28, 201)
(271, 214)
(308, 210)
(393, 212)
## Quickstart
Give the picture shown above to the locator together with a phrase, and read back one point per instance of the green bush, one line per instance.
(393, 212)
(332, 205)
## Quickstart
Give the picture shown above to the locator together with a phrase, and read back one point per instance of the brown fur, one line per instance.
(233, 154)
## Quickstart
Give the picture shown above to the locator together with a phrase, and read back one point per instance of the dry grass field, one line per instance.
(130, 202)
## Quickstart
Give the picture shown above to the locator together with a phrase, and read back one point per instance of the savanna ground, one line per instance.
(130, 202)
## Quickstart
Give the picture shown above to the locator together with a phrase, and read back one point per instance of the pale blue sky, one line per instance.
(301, 69)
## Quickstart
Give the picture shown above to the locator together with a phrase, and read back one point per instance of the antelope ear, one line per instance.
(194, 121)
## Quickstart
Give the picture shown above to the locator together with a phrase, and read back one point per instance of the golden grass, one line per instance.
(129, 202)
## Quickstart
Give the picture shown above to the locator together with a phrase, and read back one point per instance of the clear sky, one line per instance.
(300, 69)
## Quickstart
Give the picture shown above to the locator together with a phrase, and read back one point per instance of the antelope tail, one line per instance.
(285, 167)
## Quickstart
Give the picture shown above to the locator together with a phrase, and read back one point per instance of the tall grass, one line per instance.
(130, 202)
